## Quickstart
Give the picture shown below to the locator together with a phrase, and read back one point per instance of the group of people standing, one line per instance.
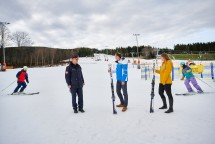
(75, 81)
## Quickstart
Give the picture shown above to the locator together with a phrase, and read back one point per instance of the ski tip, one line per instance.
(151, 111)
(114, 112)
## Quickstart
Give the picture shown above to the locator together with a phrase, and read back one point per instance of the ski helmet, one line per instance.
(25, 68)
(182, 63)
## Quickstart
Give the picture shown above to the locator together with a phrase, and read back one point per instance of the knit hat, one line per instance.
(74, 56)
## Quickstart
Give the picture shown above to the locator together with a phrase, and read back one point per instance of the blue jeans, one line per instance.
(20, 84)
(119, 87)
(75, 92)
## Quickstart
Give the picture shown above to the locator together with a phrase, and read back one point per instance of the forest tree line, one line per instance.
(195, 47)
(43, 56)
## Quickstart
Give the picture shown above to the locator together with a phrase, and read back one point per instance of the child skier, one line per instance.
(187, 73)
(22, 76)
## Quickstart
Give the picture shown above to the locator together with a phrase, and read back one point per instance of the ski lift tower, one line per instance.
(2, 31)
(136, 35)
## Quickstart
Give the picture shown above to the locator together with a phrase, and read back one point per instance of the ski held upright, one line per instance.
(112, 88)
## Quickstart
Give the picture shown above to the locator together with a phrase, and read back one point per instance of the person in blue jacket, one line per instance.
(122, 79)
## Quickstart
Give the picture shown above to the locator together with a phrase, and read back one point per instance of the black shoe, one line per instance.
(169, 111)
(163, 107)
(75, 111)
(81, 110)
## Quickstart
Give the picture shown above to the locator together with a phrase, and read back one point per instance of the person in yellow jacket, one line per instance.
(166, 82)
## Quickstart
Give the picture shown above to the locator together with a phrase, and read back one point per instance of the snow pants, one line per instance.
(20, 84)
(194, 83)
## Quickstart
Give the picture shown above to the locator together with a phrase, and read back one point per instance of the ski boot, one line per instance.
(120, 105)
(170, 110)
(124, 109)
(163, 107)
(200, 91)
(81, 110)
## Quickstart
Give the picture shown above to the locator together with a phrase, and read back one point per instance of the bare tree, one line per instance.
(146, 51)
(53, 52)
(4, 33)
(21, 39)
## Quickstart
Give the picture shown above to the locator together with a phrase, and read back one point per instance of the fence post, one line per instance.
(149, 71)
(212, 71)
(145, 73)
(201, 75)
(138, 64)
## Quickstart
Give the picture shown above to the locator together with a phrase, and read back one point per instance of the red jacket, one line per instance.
(22, 76)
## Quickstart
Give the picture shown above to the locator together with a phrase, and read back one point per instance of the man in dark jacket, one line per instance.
(75, 82)
(22, 76)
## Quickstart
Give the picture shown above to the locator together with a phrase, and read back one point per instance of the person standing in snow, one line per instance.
(187, 73)
(122, 79)
(75, 81)
(166, 82)
(22, 76)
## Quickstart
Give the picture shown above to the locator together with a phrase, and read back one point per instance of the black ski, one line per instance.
(35, 93)
(185, 94)
(152, 91)
(112, 88)
(190, 94)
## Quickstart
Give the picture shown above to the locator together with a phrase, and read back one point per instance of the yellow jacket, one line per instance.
(165, 72)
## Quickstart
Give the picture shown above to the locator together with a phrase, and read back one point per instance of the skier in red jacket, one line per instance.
(22, 76)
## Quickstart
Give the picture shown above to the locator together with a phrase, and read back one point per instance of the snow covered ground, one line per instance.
(48, 118)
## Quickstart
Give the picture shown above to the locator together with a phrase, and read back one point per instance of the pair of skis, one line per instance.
(112, 88)
(152, 90)
(21, 94)
(192, 93)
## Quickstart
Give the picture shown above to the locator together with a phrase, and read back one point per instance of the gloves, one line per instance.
(188, 71)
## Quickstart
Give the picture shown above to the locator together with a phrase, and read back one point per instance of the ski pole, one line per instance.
(8, 86)
(204, 82)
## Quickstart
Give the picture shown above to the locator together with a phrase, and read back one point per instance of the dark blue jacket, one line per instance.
(74, 76)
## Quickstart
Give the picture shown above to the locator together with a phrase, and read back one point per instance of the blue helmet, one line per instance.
(182, 63)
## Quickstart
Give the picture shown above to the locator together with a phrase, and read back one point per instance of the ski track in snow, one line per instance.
(48, 118)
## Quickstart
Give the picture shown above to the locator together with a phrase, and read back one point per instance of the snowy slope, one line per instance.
(48, 118)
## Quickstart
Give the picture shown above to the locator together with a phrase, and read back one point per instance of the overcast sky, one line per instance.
(111, 23)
